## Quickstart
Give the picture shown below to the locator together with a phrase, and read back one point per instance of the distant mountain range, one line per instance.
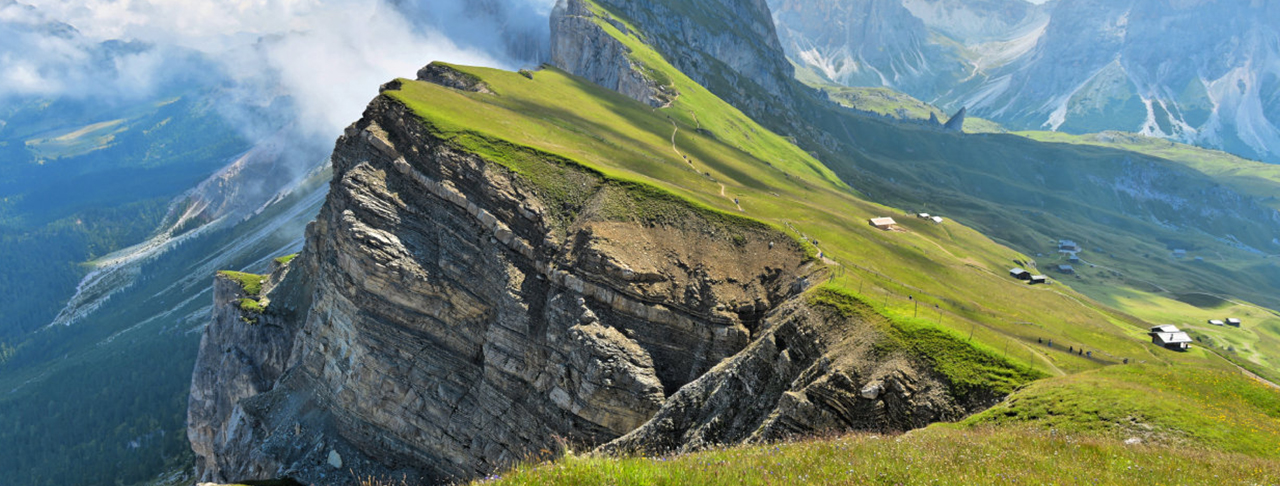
(1195, 71)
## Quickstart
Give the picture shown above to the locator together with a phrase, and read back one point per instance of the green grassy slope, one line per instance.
(931, 456)
(1171, 405)
(1026, 193)
(1256, 345)
(1247, 176)
(898, 106)
(946, 275)
(956, 274)
(1137, 274)
(946, 281)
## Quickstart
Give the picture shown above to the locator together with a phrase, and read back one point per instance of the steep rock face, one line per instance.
(729, 46)
(448, 77)
(1194, 71)
(580, 46)
(956, 122)
(970, 21)
(924, 48)
(448, 317)
(866, 43)
(808, 371)
(242, 355)
(460, 322)
(1114, 65)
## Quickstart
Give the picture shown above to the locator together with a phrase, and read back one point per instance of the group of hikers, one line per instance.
(1073, 349)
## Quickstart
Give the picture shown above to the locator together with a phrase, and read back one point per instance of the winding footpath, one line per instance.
(675, 130)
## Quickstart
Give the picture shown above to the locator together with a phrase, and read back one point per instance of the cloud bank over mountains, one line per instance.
(325, 58)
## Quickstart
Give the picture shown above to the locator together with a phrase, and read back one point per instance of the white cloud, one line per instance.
(328, 56)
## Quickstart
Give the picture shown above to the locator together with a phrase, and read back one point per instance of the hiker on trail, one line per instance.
(1039, 340)
(1071, 349)
(1089, 354)
(1126, 361)
(1051, 343)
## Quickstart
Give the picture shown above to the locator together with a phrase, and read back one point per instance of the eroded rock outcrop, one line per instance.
(242, 354)
(729, 46)
(808, 371)
(450, 316)
(459, 320)
(581, 46)
(956, 122)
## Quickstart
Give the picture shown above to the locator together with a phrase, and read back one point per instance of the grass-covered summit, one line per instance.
(941, 290)
(945, 277)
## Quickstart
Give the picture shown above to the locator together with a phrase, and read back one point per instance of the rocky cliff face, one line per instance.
(807, 371)
(1194, 71)
(448, 317)
(582, 47)
(729, 46)
(458, 323)
(866, 43)
(243, 353)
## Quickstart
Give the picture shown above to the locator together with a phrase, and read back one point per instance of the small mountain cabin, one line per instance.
(1169, 337)
(1216, 322)
(1020, 274)
(1066, 269)
(885, 223)
(1039, 279)
(1233, 322)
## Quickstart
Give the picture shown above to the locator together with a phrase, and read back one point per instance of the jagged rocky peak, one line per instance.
(956, 122)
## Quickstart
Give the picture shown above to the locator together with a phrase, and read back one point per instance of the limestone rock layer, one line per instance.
(443, 321)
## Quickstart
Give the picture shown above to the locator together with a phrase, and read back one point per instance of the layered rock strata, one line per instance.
(807, 372)
(458, 321)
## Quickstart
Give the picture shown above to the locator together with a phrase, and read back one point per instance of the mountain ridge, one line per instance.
(607, 312)
(1075, 65)
(486, 157)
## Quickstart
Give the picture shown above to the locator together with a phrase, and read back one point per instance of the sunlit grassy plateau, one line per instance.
(1208, 421)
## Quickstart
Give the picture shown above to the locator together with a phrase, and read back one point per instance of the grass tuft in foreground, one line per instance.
(1221, 410)
(937, 455)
